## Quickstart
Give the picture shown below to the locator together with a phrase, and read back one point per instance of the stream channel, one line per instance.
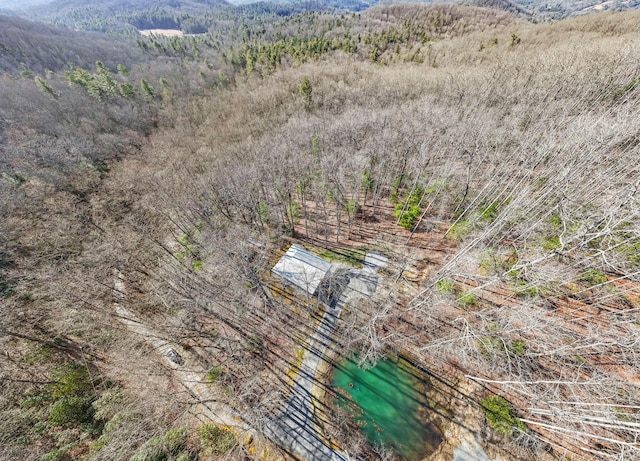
(388, 403)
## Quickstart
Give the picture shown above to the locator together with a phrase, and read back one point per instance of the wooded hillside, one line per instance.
(145, 198)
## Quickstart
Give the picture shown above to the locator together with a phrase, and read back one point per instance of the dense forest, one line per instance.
(150, 183)
(196, 16)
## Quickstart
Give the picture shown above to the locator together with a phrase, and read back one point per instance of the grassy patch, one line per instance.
(214, 374)
(217, 440)
(519, 347)
(593, 277)
(71, 380)
(555, 221)
(170, 446)
(523, 289)
(466, 299)
(490, 346)
(254, 345)
(352, 256)
(631, 250)
(501, 416)
(460, 230)
(498, 261)
(59, 454)
(445, 286)
(71, 411)
(35, 401)
(45, 353)
(551, 243)
(489, 212)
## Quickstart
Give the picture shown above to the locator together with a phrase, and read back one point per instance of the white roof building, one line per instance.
(302, 269)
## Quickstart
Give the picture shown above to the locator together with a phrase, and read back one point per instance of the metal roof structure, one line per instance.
(302, 269)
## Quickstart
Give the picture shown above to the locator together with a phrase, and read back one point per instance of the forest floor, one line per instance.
(186, 370)
(417, 261)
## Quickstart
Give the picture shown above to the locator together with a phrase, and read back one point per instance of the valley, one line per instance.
(201, 231)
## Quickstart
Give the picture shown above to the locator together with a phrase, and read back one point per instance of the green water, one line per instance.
(388, 406)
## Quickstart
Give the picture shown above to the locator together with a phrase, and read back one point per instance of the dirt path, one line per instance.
(188, 373)
(298, 427)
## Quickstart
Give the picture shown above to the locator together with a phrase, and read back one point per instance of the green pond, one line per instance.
(388, 405)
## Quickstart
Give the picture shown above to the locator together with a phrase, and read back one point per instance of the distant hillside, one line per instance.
(112, 15)
(540, 9)
(127, 17)
(317, 5)
(21, 4)
(565, 8)
(32, 46)
(505, 5)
